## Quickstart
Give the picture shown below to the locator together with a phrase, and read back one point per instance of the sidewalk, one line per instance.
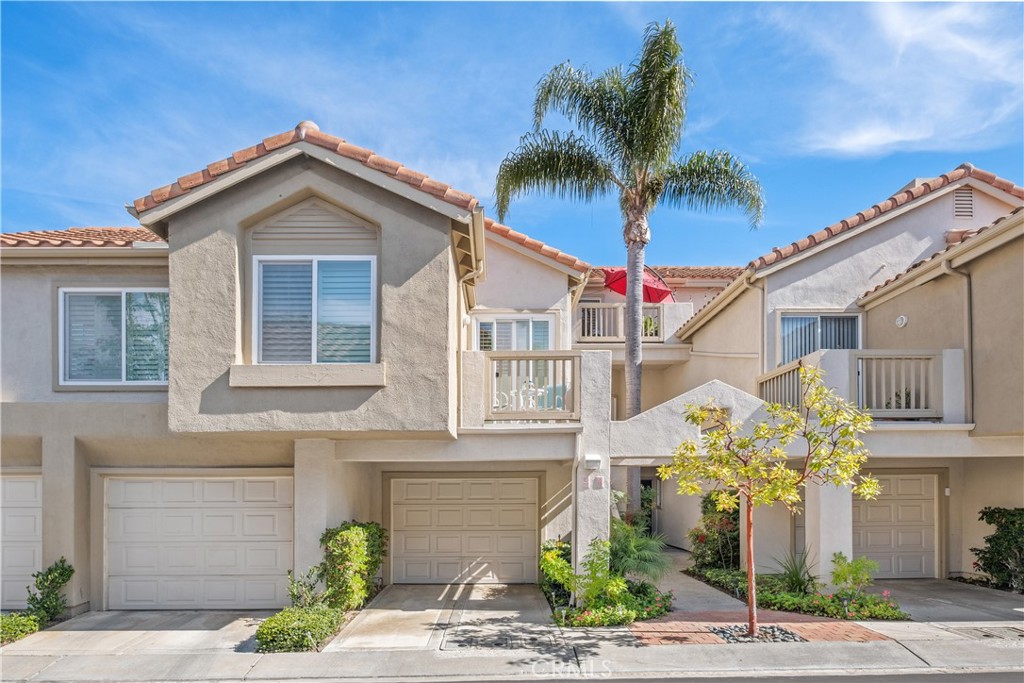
(625, 653)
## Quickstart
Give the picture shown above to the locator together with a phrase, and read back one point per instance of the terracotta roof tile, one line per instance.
(964, 236)
(310, 132)
(79, 237)
(535, 245)
(682, 272)
(899, 199)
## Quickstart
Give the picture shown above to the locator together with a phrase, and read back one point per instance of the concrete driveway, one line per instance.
(941, 600)
(106, 633)
(452, 617)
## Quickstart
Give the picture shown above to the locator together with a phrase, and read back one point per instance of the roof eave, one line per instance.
(155, 218)
(721, 300)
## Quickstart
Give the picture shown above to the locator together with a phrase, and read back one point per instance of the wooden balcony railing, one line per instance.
(606, 323)
(533, 385)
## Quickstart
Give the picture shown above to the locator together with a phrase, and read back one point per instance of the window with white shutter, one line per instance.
(113, 336)
(315, 309)
(804, 334)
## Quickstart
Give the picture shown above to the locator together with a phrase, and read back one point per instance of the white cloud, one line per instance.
(907, 77)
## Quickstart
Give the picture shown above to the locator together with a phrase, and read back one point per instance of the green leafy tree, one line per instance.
(628, 124)
(817, 443)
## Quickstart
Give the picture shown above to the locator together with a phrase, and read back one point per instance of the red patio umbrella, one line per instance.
(655, 289)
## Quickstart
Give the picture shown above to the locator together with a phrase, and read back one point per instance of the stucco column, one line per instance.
(829, 526)
(314, 459)
(593, 501)
(66, 513)
(593, 463)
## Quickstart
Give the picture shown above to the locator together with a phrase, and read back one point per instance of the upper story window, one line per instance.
(513, 334)
(317, 309)
(804, 334)
(113, 336)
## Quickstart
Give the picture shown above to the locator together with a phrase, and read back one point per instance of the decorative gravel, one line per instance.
(765, 634)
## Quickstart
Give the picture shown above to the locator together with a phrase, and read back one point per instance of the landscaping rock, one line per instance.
(765, 634)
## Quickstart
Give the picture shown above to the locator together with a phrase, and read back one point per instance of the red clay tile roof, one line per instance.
(683, 272)
(899, 199)
(79, 237)
(954, 237)
(535, 245)
(309, 132)
(971, 234)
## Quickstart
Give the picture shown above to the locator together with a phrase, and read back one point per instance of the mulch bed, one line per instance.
(685, 628)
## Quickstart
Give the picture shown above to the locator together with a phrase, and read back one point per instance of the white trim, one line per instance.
(493, 317)
(813, 313)
(61, 334)
(257, 304)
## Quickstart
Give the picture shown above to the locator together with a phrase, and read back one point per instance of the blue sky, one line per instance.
(834, 106)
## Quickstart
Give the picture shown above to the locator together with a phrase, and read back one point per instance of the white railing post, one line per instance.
(533, 385)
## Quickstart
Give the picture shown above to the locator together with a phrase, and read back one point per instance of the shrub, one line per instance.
(353, 553)
(715, 542)
(48, 601)
(636, 554)
(304, 590)
(299, 629)
(795, 573)
(771, 594)
(16, 625)
(556, 572)
(646, 600)
(605, 615)
(1002, 558)
(851, 577)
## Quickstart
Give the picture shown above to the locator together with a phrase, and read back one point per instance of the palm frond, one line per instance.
(712, 180)
(594, 105)
(564, 164)
(658, 84)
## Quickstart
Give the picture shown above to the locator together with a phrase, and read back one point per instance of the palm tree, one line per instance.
(628, 126)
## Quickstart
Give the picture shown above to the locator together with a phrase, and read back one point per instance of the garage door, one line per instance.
(899, 529)
(21, 538)
(464, 530)
(198, 543)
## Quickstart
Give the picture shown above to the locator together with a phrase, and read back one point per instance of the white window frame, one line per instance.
(554, 337)
(62, 380)
(817, 313)
(257, 303)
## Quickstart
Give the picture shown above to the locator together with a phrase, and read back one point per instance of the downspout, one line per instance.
(948, 269)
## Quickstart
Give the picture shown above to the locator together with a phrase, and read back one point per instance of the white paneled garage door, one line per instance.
(464, 530)
(21, 545)
(198, 543)
(899, 528)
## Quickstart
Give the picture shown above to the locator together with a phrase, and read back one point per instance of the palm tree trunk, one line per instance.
(751, 580)
(637, 236)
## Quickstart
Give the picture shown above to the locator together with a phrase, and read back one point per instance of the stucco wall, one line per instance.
(416, 312)
(834, 278)
(997, 282)
(517, 283)
(995, 482)
(935, 318)
(726, 349)
(28, 330)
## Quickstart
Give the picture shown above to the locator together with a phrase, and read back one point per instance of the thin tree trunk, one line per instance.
(751, 582)
(637, 235)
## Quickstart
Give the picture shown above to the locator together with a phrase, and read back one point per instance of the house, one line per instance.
(913, 309)
(305, 332)
(299, 334)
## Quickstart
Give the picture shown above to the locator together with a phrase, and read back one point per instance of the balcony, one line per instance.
(602, 326)
(893, 385)
(520, 387)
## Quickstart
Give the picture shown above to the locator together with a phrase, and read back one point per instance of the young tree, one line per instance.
(628, 126)
(817, 442)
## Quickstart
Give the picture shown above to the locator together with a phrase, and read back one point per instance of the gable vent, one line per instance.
(963, 203)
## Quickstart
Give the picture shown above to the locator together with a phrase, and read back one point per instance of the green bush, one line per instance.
(851, 577)
(298, 629)
(1002, 558)
(604, 615)
(47, 602)
(715, 541)
(556, 561)
(795, 573)
(353, 553)
(772, 594)
(15, 626)
(636, 554)
(304, 590)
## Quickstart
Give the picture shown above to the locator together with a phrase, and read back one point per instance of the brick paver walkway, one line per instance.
(677, 628)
